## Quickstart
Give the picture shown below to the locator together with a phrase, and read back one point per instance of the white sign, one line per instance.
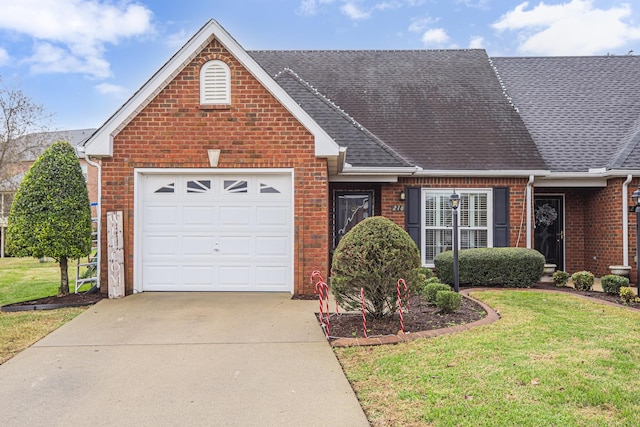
(115, 254)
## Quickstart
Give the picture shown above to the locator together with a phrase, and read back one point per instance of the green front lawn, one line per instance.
(552, 360)
(23, 279)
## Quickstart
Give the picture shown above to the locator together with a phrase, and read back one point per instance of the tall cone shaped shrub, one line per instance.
(373, 255)
(51, 215)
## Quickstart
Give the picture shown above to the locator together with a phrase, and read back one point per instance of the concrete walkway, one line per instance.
(158, 359)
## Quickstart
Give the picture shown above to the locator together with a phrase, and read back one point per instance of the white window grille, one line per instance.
(474, 221)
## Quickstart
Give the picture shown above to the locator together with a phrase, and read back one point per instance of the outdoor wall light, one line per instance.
(402, 196)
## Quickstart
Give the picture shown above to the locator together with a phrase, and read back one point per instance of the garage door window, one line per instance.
(201, 186)
(169, 188)
(267, 189)
(236, 186)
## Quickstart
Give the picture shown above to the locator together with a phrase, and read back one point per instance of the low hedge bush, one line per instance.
(560, 278)
(510, 267)
(448, 301)
(611, 283)
(582, 280)
(431, 290)
(627, 295)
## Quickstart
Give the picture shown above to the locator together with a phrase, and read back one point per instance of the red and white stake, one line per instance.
(407, 295)
(364, 314)
(322, 289)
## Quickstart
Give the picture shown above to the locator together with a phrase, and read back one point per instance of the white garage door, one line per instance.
(216, 232)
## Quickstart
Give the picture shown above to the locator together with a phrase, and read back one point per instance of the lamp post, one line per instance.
(455, 201)
(636, 202)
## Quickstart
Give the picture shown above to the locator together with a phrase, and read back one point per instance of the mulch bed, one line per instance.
(591, 294)
(53, 302)
(421, 317)
(426, 317)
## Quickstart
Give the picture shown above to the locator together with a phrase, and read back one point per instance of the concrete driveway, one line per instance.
(156, 359)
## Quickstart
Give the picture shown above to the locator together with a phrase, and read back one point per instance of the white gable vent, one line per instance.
(215, 83)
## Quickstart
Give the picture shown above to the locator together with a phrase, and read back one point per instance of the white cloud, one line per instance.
(4, 57)
(356, 10)
(311, 7)
(387, 5)
(353, 11)
(480, 4)
(72, 34)
(112, 90)
(420, 24)
(572, 28)
(476, 42)
(435, 37)
(177, 40)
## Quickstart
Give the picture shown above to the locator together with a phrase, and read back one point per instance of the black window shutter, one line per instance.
(500, 217)
(412, 214)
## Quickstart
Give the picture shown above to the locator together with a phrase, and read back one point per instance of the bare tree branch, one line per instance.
(22, 138)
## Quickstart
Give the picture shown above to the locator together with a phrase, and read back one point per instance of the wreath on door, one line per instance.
(546, 215)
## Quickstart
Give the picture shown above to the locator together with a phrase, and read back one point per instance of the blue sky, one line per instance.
(82, 59)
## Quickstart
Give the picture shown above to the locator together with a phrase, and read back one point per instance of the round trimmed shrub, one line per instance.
(431, 290)
(448, 301)
(582, 280)
(611, 283)
(560, 278)
(626, 294)
(373, 255)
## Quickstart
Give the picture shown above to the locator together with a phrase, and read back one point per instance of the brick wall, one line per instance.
(255, 131)
(517, 207)
(593, 227)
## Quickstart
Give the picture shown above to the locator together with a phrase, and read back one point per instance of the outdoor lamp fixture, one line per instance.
(636, 202)
(455, 202)
(402, 196)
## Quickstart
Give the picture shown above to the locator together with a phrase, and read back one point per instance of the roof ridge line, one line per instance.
(502, 85)
(346, 115)
(623, 152)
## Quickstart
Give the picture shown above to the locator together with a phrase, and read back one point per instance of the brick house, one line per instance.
(584, 116)
(240, 171)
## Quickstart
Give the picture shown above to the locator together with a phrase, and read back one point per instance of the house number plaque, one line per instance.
(397, 208)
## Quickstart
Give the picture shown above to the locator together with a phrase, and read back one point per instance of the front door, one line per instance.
(549, 228)
(351, 207)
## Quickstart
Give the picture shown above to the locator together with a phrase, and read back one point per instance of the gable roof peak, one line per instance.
(101, 142)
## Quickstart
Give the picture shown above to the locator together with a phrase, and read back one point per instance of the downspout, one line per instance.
(98, 216)
(625, 220)
(529, 210)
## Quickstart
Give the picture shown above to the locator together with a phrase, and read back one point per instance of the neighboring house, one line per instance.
(584, 115)
(40, 142)
(241, 171)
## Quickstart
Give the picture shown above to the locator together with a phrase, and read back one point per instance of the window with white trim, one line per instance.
(474, 221)
(215, 83)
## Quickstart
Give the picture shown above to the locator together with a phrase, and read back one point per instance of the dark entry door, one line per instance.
(351, 207)
(549, 228)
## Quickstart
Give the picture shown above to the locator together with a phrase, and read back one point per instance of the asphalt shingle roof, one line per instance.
(583, 112)
(364, 148)
(441, 110)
